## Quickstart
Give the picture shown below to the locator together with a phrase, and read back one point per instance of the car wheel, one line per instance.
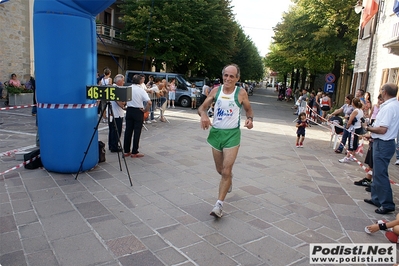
(185, 101)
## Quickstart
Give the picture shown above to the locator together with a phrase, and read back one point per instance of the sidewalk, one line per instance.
(283, 198)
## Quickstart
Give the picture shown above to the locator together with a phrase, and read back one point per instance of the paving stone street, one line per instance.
(283, 198)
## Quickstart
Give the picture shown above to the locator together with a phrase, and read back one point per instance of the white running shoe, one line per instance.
(345, 160)
(153, 121)
(217, 211)
(397, 162)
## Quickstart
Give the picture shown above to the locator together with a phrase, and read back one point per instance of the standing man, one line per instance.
(397, 145)
(225, 133)
(134, 117)
(118, 111)
(384, 132)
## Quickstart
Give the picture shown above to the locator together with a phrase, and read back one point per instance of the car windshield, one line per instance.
(184, 79)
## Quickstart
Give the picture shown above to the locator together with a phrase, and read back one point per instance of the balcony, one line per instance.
(393, 44)
(112, 35)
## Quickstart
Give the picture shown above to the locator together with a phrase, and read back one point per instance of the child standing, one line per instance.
(193, 94)
(301, 124)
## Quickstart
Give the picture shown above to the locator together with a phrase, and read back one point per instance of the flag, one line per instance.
(370, 9)
(396, 7)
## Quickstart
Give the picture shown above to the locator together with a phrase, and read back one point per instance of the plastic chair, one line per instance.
(334, 135)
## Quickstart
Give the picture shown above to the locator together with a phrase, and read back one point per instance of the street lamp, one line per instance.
(358, 7)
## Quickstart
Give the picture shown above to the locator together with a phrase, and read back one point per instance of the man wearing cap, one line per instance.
(225, 134)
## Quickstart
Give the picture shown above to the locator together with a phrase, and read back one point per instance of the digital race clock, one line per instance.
(109, 93)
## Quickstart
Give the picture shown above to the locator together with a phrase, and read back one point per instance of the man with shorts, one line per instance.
(225, 133)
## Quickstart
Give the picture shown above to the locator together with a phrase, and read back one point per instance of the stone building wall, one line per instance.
(380, 58)
(15, 55)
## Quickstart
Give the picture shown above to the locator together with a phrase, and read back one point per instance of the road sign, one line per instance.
(330, 78)
(329, 87)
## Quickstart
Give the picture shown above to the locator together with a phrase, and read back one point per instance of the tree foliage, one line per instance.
(318, 35)
(196, 35)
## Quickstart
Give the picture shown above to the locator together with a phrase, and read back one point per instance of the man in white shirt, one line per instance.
(384, 132)
(134, 118)
(115, 128)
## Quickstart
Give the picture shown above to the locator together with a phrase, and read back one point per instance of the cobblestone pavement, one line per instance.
(283, 198)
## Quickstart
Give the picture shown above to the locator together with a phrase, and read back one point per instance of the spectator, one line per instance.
(1, 90)
(172, 92)
(163, 92)
(106, 78)
(347, 109)
(384, 131)
(157, 99)
(366, 108)
(134, 118)
(104, 81)
(366, 182)
(193, 94)
(205, 91)
(150, 81)
(31, 85)
(14, 82)
(325, 105)
(303, 102)
(318, 97)
(360, 95)
(392, 235)
(354, 128)
(375, 109)
(397, 146)
(115, 129)
(301, 125)
(288, 94)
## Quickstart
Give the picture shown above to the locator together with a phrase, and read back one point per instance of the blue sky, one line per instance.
(258, 17)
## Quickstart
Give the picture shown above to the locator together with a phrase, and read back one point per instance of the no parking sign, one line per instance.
(330, 78)
(329, 86)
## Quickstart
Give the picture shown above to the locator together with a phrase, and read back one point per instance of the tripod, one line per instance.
(110, 114)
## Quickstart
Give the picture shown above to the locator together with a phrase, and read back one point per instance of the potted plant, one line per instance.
(19, 95)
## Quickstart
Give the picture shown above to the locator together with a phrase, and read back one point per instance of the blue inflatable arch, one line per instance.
(65, 62)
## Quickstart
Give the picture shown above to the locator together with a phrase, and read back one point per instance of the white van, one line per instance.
(182, 85)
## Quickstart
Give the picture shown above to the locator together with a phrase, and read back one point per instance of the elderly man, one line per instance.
(225, 133)
(115, 127)
(384, 132)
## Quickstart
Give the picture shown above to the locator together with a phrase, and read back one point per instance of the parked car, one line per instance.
(199, 82)
(183, 97)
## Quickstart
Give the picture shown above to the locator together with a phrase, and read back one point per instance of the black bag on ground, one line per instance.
(34, 164)
(101, 151)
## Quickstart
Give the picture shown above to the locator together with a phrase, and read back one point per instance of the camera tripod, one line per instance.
(108, 107)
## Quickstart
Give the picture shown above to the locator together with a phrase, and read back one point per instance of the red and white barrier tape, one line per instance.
(359, 150)
(17, 107)
(20, 165)
(12, 152)
(336, 124)
(66, 106)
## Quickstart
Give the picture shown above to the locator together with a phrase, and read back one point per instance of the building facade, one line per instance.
(17, 50)
(16, 43)
(377, 53)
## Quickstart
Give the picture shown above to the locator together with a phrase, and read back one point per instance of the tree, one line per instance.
(318, 35)
(183, 34)
(196, 35)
